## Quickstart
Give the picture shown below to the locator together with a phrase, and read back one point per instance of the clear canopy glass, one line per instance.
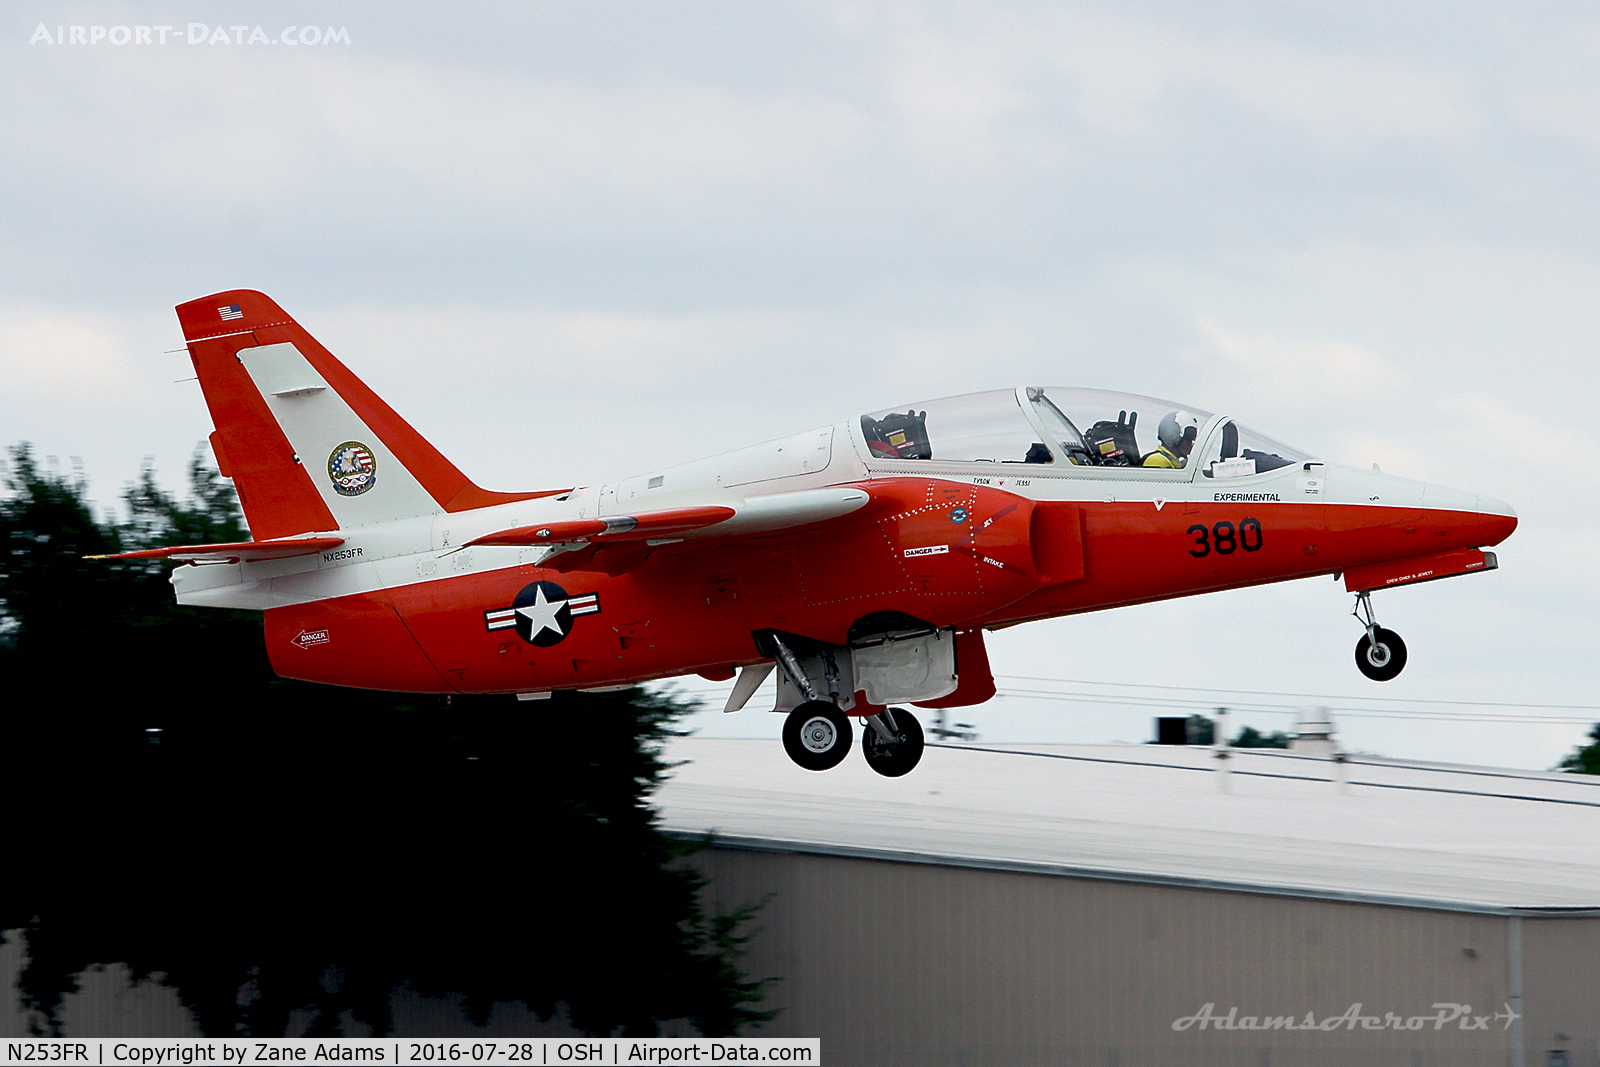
(1083, 427)
(973, 428)
(1235, 451)
(1098, 428)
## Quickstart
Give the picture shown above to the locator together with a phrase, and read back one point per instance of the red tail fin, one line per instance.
(276, 424)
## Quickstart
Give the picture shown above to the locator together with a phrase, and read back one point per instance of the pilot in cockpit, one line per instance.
(1176, 436)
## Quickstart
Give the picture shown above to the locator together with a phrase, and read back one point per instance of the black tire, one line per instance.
(900, 757)
(816, 735)
(1383, 660)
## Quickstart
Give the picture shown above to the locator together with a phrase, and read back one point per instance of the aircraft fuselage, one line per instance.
(403, 607)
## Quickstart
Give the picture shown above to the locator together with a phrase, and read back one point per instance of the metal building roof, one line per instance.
(1430, 835)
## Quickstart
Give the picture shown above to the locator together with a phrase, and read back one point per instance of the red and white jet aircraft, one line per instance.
(863, 560)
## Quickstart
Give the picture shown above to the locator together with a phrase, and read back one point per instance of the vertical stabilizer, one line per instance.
(308, 446)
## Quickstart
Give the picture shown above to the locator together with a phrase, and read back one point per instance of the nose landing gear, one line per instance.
(1380, 654)
(893, 743)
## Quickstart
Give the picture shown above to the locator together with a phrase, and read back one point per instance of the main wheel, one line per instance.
(1383, 659)
(817, 735)
(892, 759)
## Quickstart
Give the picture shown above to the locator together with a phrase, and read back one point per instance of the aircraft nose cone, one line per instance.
(1488, 505)
(1497, 518)
(1483, 520)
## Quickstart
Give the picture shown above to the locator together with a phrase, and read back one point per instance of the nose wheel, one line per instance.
(1380, 654)
(893, 742)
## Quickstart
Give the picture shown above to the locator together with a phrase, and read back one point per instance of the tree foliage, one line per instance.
(1250, 737)
(1585, 759)
(272, 846)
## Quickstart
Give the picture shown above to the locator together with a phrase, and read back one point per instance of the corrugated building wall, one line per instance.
(912, 963)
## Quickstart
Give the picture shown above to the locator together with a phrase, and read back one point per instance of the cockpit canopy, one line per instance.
(1077, 427)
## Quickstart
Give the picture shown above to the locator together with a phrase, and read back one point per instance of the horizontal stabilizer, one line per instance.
(239, 552)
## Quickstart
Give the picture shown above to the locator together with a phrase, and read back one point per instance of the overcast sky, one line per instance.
(573, 241)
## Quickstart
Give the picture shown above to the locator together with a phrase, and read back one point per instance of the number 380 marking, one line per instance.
(1225, 539)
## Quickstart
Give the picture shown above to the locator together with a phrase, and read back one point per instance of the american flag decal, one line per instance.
(230, 312)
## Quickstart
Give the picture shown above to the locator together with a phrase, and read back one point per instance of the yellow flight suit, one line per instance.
(1163, 457)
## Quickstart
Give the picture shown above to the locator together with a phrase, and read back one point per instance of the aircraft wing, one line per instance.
(644, 525)
(240, 551)
(727, 518)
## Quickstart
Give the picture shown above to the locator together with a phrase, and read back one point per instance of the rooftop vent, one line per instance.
(1314, 733)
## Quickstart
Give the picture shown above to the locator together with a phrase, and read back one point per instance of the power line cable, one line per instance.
(1218, 698)
(1414, 715)
(1308, 696)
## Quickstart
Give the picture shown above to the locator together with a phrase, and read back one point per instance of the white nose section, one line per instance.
(1436, 496)
(1488, 505)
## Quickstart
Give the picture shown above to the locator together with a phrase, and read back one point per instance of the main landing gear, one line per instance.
(1380, 654)
(817, 733)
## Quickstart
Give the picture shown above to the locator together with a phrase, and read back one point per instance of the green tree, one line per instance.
(1250, 737)
(211, 515)
(1585, 759)
(272, 846)
(46, 528)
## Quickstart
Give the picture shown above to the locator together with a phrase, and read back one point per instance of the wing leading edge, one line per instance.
(728, 518)
(235, 552)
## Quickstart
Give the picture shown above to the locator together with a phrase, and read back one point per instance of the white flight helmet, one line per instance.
(1177, 427)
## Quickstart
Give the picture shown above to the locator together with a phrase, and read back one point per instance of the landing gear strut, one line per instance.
(816, 735)
(893, 742)
(1380, 654)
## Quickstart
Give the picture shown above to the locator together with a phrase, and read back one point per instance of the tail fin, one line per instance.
(308, 446)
